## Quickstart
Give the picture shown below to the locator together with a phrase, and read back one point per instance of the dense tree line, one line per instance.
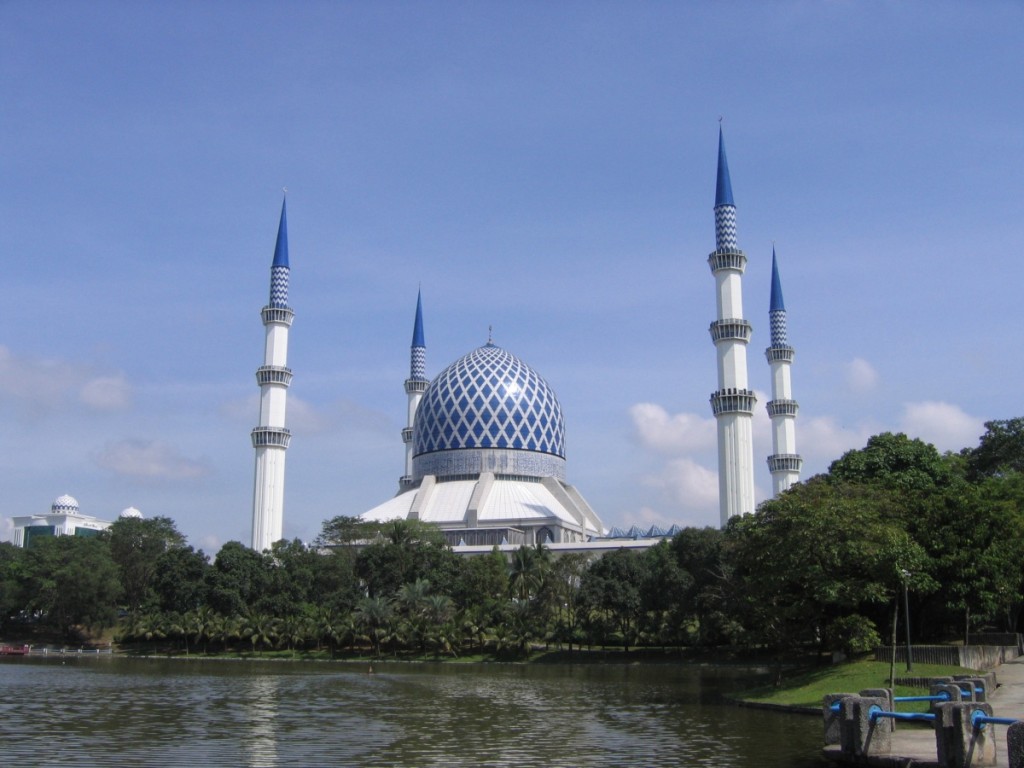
(821, 566)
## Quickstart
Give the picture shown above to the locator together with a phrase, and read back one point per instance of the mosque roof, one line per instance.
(495, 501)
(489, 399)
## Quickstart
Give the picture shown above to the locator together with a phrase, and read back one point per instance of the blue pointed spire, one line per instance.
(777, 308)
(281, 249)
(776, 304)
(723, 189)
(279, 270)
(417, 331)
(418, 354)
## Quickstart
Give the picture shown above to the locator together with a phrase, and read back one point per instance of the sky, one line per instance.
(544, 169)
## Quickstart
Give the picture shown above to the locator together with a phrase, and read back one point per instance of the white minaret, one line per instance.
(415, 386)
(271, 438)
(733, 403)
(784, 462)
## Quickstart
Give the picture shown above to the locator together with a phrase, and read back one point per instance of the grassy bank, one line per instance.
(807, 687)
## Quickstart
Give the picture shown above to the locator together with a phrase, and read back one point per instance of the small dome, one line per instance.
(131, 512)
(64, 505)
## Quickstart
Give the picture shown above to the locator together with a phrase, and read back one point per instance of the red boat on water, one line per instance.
(14, 650)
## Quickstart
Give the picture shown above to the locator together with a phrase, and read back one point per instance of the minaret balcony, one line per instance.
(785, 462)
(733, 400)
(416, 386)
(405, 482)
(273, 374)
(273, 437)
(727, 258)
(780, 354)
(782, 408)
(731, 329)
(279, 315)
(407, 435)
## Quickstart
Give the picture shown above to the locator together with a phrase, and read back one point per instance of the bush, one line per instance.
(853, 635)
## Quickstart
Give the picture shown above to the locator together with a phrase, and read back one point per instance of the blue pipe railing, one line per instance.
(877, 712)
(979, 720)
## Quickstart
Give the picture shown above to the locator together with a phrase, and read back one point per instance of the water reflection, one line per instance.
(120, 712)
(260, 697)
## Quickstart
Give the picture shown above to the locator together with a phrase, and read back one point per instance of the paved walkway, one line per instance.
(914, 746)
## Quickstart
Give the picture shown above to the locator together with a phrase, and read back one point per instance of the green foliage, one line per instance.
(135, 545)
(1000, 450)
(818, 567)
(896, 461)
(70, 581)
(853, 635)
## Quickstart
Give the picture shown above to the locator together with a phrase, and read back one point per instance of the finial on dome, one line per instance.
(723, 189)
(490, 339)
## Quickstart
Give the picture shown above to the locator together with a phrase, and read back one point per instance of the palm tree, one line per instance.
(530, 566)
(259, 629)
(375, 617)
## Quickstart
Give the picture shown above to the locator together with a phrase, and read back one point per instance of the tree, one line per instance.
(1000, 450)
(238, 580)
(612, 585)
(894, 460)
(72, 581)
(179, 579)
(375, 618)
(11, 567)
(135, 545)
(809, 556)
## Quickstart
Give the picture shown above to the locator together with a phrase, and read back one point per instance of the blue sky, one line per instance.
(547, 169)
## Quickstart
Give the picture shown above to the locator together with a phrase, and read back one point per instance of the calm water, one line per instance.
(121, 712)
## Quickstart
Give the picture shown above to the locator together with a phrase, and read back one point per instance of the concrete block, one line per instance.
(1015, 744)
(869, 736)
(969, 747)
(950, 688)
(833, 718)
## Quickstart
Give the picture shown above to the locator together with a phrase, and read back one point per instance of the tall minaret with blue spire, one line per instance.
(415, 386)
(784, 462)
(733, 403)
(271, 438)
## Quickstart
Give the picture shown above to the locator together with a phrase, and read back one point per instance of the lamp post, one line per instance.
(906, 621)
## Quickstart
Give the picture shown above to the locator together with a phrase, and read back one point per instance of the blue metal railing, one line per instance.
(979, 720)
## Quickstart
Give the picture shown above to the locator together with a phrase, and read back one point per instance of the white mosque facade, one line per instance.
(485, 439)
(65, 518)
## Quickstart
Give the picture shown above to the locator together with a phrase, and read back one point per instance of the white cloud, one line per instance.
(944, 425)
(106, 393)
(821, 440)
(43, 384)
(676, 434)
(302, 417)
(149, 460)
(861, 376)
(688, 483)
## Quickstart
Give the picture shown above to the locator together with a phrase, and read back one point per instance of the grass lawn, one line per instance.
(807, 687)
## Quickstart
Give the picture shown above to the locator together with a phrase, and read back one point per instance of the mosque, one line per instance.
(485, 439)
(65, 518)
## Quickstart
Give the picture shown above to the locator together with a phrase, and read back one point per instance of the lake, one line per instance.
(109, 711)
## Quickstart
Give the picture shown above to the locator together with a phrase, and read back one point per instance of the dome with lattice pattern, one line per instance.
(489, 411)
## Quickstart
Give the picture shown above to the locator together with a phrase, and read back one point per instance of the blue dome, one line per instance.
(489, 399)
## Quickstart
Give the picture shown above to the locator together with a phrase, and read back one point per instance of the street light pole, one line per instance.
(906, 621)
